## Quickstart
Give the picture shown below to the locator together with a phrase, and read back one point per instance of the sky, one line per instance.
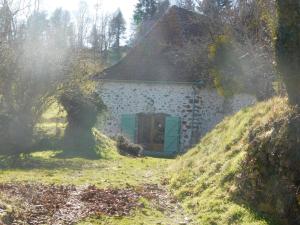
(106, 7)
(109, 6)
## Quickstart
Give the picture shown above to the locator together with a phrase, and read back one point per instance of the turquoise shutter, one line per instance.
(128, 126)
(172, 135)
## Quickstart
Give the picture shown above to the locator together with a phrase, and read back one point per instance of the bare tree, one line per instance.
(82, 23)
(105, 38)
(7, 24)
(26, 87)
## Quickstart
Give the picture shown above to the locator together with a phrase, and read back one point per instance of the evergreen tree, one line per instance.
(94, 39)
(60, 27)
(144, 10)
(117, 30)
(186, 4)
(211, 7)
(162, 7)
(288, 45)
(37, 25)
(224, 3)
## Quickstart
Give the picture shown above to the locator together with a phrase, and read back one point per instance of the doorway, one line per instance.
(151, 131)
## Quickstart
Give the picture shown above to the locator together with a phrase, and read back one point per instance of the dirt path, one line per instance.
(167, 204)
(72, 211)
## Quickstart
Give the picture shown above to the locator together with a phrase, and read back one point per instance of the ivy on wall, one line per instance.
(226, 70)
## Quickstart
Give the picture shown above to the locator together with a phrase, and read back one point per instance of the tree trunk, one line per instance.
(288, 47)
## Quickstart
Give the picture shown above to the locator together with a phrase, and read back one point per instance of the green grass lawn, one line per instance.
(112, 170)
(109, 170)
(203, 179)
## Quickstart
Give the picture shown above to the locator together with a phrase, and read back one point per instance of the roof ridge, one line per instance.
(139, 41)
(143, 37)
(149, 57)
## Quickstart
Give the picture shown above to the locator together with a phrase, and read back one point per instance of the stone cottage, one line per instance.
(159, 101)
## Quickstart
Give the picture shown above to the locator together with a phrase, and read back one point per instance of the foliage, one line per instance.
(214, 7)
(162, 7)
(144, 10)
(38, 63)
(206, 178)
(226, 69)
(82, 111)
(82, 104)
(26, 87)
(259, 20)
(287, 46)
(146, 14)
(249, 26)
(220, 4)
(16, 118)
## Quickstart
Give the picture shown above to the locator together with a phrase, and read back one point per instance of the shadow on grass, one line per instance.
(271, 220)
(57, 160)
(89, 155)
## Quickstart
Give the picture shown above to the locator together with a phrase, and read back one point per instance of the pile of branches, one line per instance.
(126, 147)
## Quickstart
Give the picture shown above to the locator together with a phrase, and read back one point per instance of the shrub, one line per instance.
(226, 71)
(125, 146)
(82, 111)
(16, 134)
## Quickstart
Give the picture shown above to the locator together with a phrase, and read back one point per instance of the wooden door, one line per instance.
(151, 128)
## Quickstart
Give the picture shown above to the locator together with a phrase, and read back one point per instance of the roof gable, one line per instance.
(154, 58)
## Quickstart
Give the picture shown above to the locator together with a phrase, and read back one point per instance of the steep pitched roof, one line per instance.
(153, 58)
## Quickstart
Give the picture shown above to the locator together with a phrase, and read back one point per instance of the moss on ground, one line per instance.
(205, 178)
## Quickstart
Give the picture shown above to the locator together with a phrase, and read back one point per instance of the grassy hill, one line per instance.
(245, 170)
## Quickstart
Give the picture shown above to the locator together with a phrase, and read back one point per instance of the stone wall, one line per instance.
(240, 101)
(172, 99)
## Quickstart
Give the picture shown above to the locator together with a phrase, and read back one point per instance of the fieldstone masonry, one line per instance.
(175, 99)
